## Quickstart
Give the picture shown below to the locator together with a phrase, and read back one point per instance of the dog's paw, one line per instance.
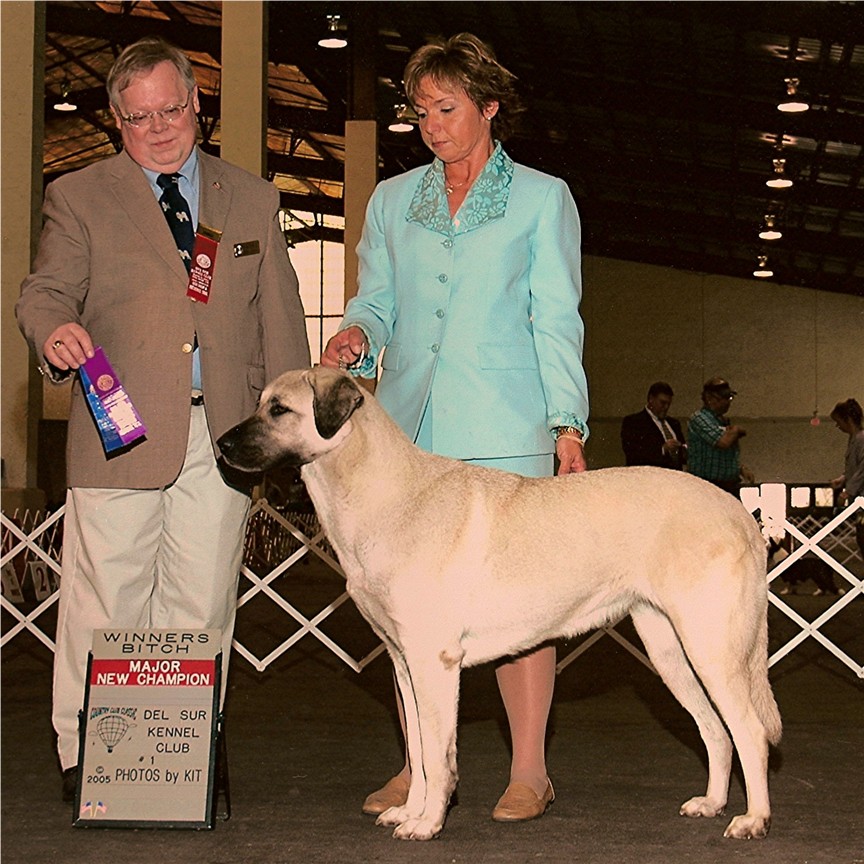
(701, 805)
(394, 816)
(417, 829)
(748, 827)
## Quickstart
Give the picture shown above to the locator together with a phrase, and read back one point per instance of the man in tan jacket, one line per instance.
(153, 534)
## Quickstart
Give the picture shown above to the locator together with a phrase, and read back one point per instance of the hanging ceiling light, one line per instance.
(64, 104)
(762, 270)
(769, 230)
(794, 103)
(401, 122)
(779, 180)
(333, 38)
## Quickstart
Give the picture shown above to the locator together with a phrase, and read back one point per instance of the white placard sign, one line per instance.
(149, 726)
(11, 585)
(41, 578)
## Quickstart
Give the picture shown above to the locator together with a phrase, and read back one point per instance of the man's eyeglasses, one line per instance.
(145, 118)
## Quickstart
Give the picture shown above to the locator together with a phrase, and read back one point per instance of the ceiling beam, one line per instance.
(299, 166)
(324, 204)
(123, 29)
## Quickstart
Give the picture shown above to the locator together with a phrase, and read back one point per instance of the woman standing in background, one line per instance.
(848, 418)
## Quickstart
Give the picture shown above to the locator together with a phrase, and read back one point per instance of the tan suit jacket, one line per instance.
(107, 261)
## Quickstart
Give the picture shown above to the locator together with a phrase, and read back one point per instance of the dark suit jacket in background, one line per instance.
(107, 261)
(642, 441)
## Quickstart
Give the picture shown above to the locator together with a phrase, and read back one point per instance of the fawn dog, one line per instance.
(455, 565)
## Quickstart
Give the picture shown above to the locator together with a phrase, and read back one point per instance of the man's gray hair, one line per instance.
(142, 56)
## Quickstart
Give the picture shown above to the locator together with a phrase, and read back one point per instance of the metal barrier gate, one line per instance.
(800, 520)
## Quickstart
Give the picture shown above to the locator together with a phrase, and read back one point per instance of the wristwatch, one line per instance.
(575, 431)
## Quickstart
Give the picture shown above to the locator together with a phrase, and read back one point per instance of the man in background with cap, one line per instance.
(713, 440)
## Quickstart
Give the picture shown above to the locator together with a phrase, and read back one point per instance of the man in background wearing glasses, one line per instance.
(153, 534)
(713, 441)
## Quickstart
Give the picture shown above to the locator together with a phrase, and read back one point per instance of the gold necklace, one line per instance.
(450, 188)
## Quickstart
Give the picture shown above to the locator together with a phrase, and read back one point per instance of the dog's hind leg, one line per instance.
(429, 685)
(732, 679)
(666, 653)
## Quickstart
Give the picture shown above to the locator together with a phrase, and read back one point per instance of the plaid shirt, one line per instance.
(706, 460)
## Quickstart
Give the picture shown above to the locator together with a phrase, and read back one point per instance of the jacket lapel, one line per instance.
(133, 194)
(215, 200)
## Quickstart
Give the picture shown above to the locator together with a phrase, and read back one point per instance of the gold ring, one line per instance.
(57, 343)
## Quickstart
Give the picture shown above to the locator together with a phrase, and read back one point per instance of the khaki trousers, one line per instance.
(148, 558)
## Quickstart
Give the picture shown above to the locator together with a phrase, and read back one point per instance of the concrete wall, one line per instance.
(788, 351)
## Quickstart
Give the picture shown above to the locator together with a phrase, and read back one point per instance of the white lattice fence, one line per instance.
(832, 541)
(30, 560)
(269, 529)
(279, 540)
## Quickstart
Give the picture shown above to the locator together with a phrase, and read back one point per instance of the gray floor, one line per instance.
(309, 738)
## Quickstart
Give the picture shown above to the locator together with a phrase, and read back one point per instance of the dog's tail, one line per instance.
(760, 688)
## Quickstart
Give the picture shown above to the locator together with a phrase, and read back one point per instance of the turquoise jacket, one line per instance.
(477, 316)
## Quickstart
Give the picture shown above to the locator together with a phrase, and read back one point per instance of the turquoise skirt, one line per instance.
(542, 465)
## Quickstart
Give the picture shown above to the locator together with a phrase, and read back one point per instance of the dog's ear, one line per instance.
(336, 398)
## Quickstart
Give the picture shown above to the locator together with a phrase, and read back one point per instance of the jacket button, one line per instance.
(186, 348)
(447, 244)
(439, 313)
(435, 348)
(442, 277)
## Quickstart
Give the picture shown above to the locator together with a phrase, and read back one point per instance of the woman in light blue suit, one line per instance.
(470, 279)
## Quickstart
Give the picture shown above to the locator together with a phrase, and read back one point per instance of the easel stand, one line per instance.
(153, 748)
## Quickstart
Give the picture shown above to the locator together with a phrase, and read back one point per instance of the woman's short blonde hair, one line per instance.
(464, 62)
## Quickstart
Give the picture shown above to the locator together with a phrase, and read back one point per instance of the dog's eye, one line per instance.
(277, 410)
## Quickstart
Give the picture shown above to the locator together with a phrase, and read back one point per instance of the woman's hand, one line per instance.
(571, 455)
(345, 348)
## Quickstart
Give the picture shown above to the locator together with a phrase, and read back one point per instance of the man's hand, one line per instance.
(68, 347)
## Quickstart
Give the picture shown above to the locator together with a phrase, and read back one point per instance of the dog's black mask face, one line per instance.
(249, 448)
(299, 418)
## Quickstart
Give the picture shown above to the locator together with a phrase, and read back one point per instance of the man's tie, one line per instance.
(179, 216)
(668, 434)
(176, 210)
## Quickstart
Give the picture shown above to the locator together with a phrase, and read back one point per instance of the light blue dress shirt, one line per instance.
(190, 189)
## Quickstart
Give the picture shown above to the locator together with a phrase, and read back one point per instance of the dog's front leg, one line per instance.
(415, 802)
(429, 684)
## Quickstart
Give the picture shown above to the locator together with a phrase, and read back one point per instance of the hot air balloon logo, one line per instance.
(112, 729)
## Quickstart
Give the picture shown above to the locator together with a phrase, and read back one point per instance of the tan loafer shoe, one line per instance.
(520, 803)
(394, 793)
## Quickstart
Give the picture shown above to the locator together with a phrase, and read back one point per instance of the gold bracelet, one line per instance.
(569, 431)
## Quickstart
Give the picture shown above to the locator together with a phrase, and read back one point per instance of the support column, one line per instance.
(361, 136)
(361, 175)
(244, 85)
(23, 83)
